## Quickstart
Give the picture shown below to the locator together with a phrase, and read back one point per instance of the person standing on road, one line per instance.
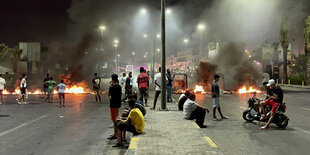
(216, 98)
(50, 88)
(158, 87)
(192, 110)
(96, 86)
(169, 86)
(2, 83)
(115, 94)
(45, 86)
(123, 82)
(143, 84)
(128, 85)
(61, 93)
(275, 100)
(23, 89)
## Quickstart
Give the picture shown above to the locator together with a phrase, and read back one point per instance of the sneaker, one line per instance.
(19, 102)
(224, 117)
(112, 137)
(118, 145)
(0, 102)
(215, 119)
(202, 126)
(152, 108)
(25, 103)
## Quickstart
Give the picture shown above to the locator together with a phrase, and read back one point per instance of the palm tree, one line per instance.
(3, 48)
(15, 56)
(284, 43)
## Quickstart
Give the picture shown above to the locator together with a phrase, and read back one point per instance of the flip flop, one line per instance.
(263, 128)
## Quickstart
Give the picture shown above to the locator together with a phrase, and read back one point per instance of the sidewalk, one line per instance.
(167, 132)
(295, 87)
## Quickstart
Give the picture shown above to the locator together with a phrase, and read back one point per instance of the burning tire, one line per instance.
(247, 115)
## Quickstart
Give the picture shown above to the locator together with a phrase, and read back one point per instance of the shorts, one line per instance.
(127, 127)
(114, 112)
(23, 91)
(1, 92)
(96, 91)
(274, 105)
(50, 92)
(61, 95)
(216, 102)
(143, 93)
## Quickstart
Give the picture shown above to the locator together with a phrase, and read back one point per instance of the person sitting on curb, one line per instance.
(134, 123)
(182, 99)
(192, 110)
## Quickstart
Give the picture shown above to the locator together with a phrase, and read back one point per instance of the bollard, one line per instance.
(302, 83)
(282, 81)
(289, 82)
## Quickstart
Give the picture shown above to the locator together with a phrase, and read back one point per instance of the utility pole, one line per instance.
(284, 43)
(307, 49)
(163, 61)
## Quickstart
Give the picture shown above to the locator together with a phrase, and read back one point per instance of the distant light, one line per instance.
(116, 41)
(158, 36)
(145, 35)
(114, 60)
(115, 45)
(118, 55)
(250, 56)
(145, 56)
(102, 27)
(146, 53)
(133, 53)
(158, 50)
(185, 40)
(201, 26)
(168, 11)
(143, 10)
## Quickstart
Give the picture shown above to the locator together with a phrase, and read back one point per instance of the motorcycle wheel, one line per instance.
(282, 121)
(247, 115)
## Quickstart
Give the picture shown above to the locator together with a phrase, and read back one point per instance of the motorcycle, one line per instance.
(280, 119)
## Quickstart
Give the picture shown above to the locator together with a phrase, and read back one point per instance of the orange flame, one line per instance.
(199, 89)
(244, 90)
(5, 92)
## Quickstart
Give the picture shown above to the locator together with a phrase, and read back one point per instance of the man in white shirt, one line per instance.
(158, 87)
(2, 83)
(23, 89)
(192, 110)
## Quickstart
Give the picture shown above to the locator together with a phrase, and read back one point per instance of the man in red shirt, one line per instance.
(143, 83)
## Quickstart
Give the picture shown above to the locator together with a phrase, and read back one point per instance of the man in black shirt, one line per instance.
(45, 86)
(216, 98)
(275, 100)
(115, 94)
(96, 86)
(169, 86)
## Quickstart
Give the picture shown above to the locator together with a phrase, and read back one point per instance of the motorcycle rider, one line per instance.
(275, 100)
(257, 104)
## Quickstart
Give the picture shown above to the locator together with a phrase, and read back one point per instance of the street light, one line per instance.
(115, 41)
(143, 11)
(201, 27)
(186, 42)
(145, 35)
(102, 28)
(168, 11)
(158, 35)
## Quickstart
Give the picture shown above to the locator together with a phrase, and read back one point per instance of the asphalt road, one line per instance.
(83, 127)
(236, 136)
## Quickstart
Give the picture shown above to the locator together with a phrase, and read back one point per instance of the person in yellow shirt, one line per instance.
(134, 123)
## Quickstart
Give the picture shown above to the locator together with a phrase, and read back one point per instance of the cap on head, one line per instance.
(270, 82)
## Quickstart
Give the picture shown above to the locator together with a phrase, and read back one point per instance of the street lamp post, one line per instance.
(201, 27)
(118, 63)
(102, 28)
(186, 42)
(163, 61)
(115, 47)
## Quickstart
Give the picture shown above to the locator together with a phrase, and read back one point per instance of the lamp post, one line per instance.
(102, 28)
(201, 27)
(115, 47)
(163, 61)
(186, 42)
(118, 63)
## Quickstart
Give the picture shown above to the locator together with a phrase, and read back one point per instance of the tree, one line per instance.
(307, 48)
(284, 43)
(298, 66)
(3, 48)
(15, 56)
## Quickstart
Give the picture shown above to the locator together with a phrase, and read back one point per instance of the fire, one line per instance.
(244, 90)
(16, 91)
(5, 92)
(75, 90)
(199, 89)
